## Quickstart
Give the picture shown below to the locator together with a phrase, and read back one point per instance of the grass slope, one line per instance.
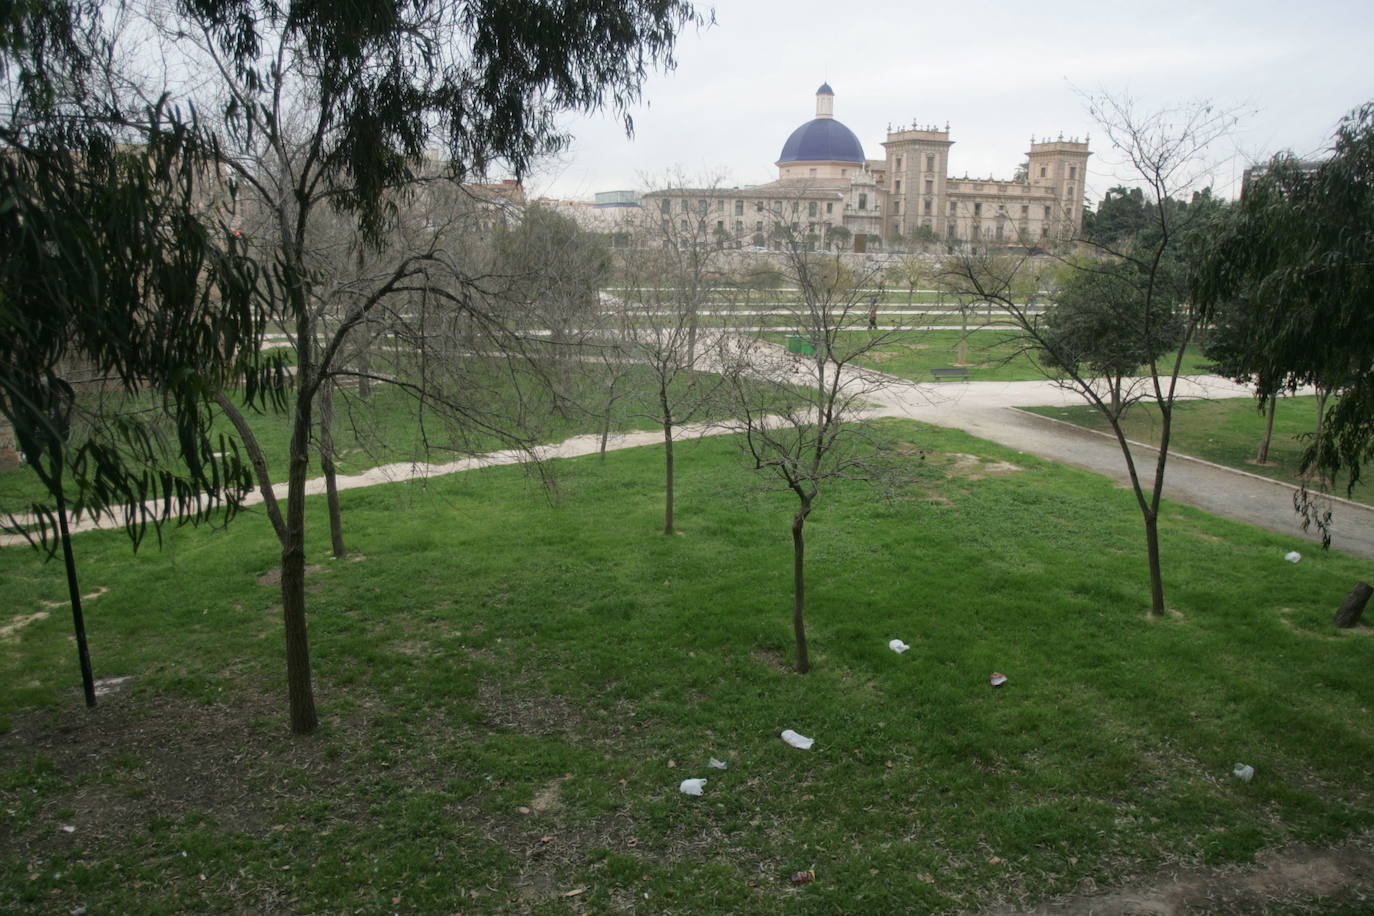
(512, 688)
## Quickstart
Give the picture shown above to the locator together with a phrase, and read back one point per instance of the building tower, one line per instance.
(917, 165)
(1059, 167)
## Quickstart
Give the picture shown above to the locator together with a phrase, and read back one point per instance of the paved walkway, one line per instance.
(987, 410)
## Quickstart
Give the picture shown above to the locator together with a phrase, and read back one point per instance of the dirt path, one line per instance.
(1291, 879)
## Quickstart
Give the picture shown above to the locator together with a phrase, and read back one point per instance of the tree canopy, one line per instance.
(1293, 260)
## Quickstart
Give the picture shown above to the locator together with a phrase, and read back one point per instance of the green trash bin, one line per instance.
(801, 345)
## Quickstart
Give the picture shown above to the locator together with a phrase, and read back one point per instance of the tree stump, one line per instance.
(1348, 614)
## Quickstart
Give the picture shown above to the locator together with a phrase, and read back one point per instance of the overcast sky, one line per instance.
(997, 72)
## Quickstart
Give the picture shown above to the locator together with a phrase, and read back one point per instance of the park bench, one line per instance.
(942, 374)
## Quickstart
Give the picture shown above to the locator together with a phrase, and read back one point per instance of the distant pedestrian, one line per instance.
(873, 313)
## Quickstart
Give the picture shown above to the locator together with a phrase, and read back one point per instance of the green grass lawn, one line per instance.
(993, 355)
(512, 686)
(1226, 432)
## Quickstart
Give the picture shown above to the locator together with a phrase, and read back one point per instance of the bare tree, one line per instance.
(665, 279)
(1142, 282)
(800, 411)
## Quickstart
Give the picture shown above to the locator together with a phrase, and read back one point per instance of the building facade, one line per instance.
(829, 195)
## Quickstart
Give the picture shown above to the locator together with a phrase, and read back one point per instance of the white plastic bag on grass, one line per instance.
(691, 786)
(896, 645)
(801, 742)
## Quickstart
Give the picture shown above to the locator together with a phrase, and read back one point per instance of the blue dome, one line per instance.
(823, 139)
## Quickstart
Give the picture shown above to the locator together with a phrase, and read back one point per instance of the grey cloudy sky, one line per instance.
(997, 72)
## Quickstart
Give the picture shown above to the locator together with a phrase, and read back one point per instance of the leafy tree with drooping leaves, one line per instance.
(125, 299)
(1293, 262)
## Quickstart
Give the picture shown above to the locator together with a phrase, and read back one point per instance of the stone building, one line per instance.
(828, 194)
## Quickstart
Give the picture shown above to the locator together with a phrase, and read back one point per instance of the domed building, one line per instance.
(829, 195)
(822, 147)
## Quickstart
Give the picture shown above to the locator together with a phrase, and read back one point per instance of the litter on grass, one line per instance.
(1243, 773)
(896, 645)
(801, 742)
(691, 786)
(805, 876)
(1292, 556)
(997, 679)
(717, 764)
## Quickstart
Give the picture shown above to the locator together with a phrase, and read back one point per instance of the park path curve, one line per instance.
(988, 410)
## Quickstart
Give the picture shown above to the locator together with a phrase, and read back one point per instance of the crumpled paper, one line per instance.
(691, 786)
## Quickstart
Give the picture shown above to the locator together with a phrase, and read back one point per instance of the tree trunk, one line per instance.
(298, 685)
(799, 586)
(300, 692)
(1152, 554)
(605, 432)
(331, 484)
(1263, 455)
(667, 415)
(1348, 614)
(1317, 473)
(1322, 394)
(692, 337)
(606, 418)
(83, 653)
(668, 478)
(255, 456)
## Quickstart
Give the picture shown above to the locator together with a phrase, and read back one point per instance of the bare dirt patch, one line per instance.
(773, 658)
(11, 629)
(53, 605)
(272, 578)
(1293, 878)
(514, 707)
(971, 467)
(1330, 631)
